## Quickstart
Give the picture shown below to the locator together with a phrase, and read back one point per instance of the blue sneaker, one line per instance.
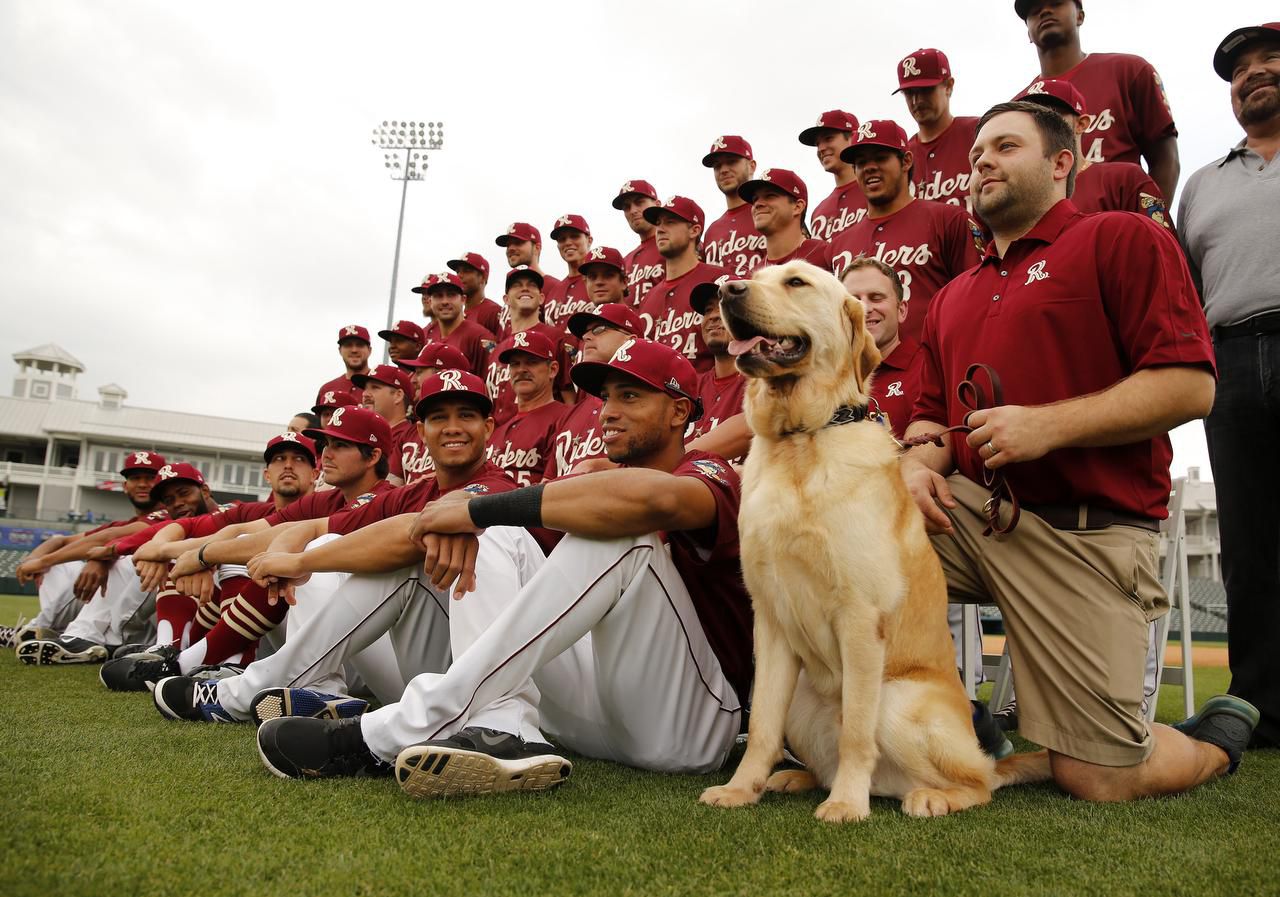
(273, 703)
(181, 697)
(1224, 721)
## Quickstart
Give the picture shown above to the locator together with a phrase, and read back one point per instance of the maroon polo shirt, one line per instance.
(721, 400)
(469, 338)
(733, 243)
(815, 252)
(645, 268)
(578, 438)
(1077, 304)
(1120, 187)
(488, 480)
(941, 165)
(522, 444)
(896, 383)
(670, 319)
(1126, 98)
(927, 243)
(844, 207)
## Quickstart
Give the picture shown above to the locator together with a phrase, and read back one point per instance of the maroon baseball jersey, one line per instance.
(1120, 187)
(669, 318)
(415, 460)
(148, 517)
(469, 338)
(645, 268)
(843, 208)
(340, 385)
(815, 252)
(488, 314)
(522, 444)
(566, 298)
(896, 383)
(721, 400)
(498, 381)
(401, 433)
(1076, 305)
(322, 504)
(488, 480)
(578, 438)
(733, 243)
(927, 243)
(1126, 98)
(941, 166)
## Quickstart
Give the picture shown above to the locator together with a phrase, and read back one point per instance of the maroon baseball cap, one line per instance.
(441, 281)
(680, 206)
(452, 382)
(350, 423)
(653, 364)
(877, 132)
(701, 296)
(570, 221)
(1059, 95)
(353, 331)
(436, 355)
(925, 67)
(386, 374)
(729, 143)
(634, 188)
(520, 232)
(172, 473)
(604, 255)
(474, 259)
(780, 179)
(335, 398)
(835, 120)
(407, 329)
(615, 314)
(152, 461)
(528, 341)
(289, 440)
(526, 271)
(1225, 56)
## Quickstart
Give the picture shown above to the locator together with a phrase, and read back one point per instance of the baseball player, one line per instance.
(1100, 186)
(927, 243)
(523, 244)
(722, 429)
(444, 301)
(940, 148)
(524, 306)
(330, 399)
(354, 348)
(415, 460)
(643, 265)
(778, 200)
(567, 297)
(404, 340)
(473, 270)
(731, 241)
(302, 420)
(668, 317)
(522, 444)
(668, 618)
(845, 205)
(605, 276)
(388, 392)
(1131, 116)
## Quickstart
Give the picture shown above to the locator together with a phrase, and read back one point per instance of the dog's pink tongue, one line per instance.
(743, 346)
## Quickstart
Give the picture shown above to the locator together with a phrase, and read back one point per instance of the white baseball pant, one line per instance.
(58, 604)
(118, 616)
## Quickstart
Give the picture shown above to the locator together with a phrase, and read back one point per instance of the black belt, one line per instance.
(1265, 322)
(1089, 517)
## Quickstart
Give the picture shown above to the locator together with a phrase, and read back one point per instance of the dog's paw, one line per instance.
(729, 796)
(926, 802)
(843, 811)
(791, 781)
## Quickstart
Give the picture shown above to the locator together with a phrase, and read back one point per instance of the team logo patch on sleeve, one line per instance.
(979, 240)
(476, 489)
(1154, 208)
(361, 500)
(712, 469)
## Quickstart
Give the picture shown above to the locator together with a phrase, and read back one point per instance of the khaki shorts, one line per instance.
(1077, 605)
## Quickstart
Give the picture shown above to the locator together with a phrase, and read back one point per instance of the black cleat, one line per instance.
(51, 652)
(140, 672)
(1224, 721)
(295, 747)
(479, 761)
(990, 736)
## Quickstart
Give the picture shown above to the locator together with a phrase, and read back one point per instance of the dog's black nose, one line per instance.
(735, 288)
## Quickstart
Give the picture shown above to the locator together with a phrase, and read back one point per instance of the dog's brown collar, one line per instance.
(846, 414)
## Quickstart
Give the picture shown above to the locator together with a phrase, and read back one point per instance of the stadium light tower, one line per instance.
(405, 145)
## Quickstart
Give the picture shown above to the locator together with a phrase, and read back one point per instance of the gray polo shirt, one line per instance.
(1229, 224)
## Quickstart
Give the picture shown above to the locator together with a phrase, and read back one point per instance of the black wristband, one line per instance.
(519, 507)
(204, 565)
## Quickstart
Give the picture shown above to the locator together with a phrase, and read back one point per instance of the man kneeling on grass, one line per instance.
(630, 642)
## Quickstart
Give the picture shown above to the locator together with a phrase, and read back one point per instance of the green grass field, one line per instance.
(106, 797)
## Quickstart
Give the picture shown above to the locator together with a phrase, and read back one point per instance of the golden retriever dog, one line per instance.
(854, 660)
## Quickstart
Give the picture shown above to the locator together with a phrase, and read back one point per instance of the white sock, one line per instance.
(164, 632)
(192, 657)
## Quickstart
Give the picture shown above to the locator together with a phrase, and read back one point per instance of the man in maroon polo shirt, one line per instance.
(732, 241)
(1100, 186)
(896, 381)
(1131, 116)
(643, 265)
(845, 205)
(668, 317)
(522, 444)
(564, 298)
(354, 348)
(388, 392)
(927, 243)
(523, 244)
(1079, 436)
(473, 271)
(940, 148)
(404, 340)
(443, 299)
(779, 200)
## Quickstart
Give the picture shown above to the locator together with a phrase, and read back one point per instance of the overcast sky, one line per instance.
(192, 207)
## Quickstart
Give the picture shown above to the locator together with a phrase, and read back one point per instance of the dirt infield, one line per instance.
(1202, 655)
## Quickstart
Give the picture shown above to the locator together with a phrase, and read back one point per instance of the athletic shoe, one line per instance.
(47, 652)
(293, 747)
(215, 671)
(479, 761)
(133, 648)
(9, 634)
(1007, 716)
(181, 697)
(990, 736)
(31, 632)
(140, 671)
(273, 703)
(1224, 721)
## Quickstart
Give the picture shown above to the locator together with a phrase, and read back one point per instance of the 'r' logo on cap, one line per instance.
(166, 472)
(350, 330)
(511, 229)
(719, 144)
(290, 436)
(865, 132)
(597, 253)
(1038, 87)
(766, 175)
(336, 419)
(142, 458)
(328, 397)
(622, 354)
(819, 122)
(909, 67)
(562, 221)
(626, 188)
(522, 340)
(451, 379)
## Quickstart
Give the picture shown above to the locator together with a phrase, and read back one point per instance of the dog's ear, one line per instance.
(866, 355)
